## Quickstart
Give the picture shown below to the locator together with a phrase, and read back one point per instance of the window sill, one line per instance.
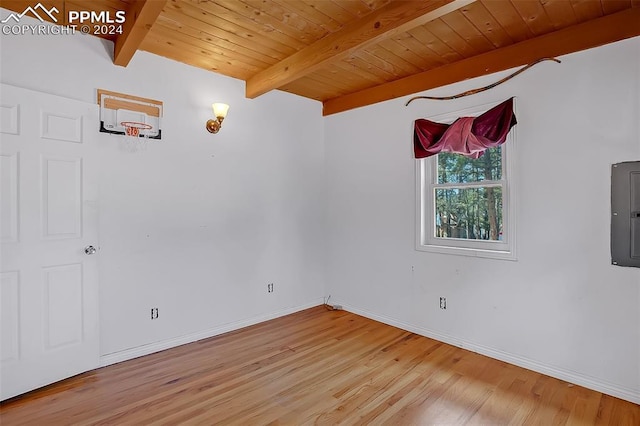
(470, 252)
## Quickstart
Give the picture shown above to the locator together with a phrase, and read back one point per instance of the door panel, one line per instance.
(9, 118)
(10, 305)
(9, 197)
(62, 305)
(49, 293)
(61, 197)
(61, 126)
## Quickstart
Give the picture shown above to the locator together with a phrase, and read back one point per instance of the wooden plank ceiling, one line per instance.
(351, 53)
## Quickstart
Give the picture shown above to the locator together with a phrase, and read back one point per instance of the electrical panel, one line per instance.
(625, 214)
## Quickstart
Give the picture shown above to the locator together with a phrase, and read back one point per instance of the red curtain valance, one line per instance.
(469, 136)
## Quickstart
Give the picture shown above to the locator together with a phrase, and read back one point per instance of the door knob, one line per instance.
(89, 250)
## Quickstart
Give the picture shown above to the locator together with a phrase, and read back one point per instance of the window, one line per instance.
(466, 206)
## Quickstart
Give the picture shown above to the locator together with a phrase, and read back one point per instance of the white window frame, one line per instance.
(426, 182)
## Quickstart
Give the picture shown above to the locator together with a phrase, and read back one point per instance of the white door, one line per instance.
(48, 201)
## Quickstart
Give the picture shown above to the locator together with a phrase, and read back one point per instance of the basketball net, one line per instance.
(135, 139)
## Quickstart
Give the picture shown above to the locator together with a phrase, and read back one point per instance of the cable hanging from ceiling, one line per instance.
(482, 89)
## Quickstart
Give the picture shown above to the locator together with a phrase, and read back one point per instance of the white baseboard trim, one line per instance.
(150, 348)
(631, 395)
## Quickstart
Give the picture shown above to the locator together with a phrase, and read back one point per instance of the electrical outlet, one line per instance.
(270, 288)
(443, 303)
(154, 313)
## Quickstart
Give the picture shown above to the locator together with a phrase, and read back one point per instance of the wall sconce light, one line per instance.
(220, 112)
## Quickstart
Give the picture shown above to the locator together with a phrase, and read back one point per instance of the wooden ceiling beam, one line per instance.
(139, 19)
(597, 32)
(394, 18)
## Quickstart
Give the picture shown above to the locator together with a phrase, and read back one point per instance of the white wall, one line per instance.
(561, 308)
(199, 224)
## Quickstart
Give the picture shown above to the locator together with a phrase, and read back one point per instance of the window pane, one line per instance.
(456, 168)
(469, 213)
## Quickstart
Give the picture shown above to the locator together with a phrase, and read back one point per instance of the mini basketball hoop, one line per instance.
(135, 140)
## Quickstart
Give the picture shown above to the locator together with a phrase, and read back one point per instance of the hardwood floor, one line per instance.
(316, 367)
